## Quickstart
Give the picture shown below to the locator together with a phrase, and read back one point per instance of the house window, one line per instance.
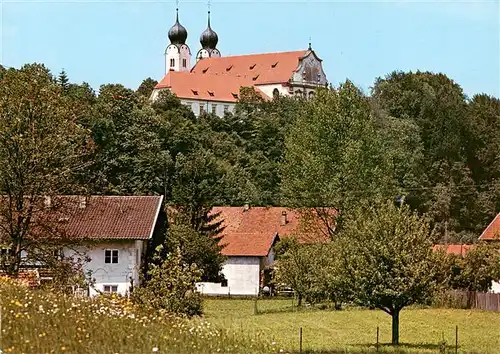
(202, 108)
(184, 63)
(223, 283)
(226, 108)
(189, 105)
(311, 94)
(110, 289)
(214, 108)
(172, 62)
(276, 94)
(111, 256)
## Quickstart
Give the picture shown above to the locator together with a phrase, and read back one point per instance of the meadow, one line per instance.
(37, 321)
(354, 330)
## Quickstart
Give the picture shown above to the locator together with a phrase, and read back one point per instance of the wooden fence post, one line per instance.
(378, 330)
(300, 341)
(456, 339)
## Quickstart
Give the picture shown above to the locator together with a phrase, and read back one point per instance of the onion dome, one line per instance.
(209, 38)
(177, 34)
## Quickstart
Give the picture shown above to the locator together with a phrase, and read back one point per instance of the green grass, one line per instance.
(354, 330)
(37, 321)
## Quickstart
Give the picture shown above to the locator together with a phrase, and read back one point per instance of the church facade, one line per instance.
(213, 83)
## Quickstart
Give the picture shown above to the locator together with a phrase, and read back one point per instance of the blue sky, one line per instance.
(123, 41)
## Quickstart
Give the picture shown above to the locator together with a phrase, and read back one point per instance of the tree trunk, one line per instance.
(395, 327)
(299, 302)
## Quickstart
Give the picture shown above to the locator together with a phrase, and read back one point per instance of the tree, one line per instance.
(333, 154)
(41, 148)
(387, 252)
(476, 270)
(146, 88)
(63, 80)
(200, 247)
(170, 285)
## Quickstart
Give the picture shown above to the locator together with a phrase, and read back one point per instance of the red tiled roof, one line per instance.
(492, 232)
(115, 217)
(99, 217)
(247, 244)
(205, 87)
(251, 232)
(459, 250)
(267, 68)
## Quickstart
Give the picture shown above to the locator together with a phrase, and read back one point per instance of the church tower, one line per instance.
(177, 54)
(208, 40)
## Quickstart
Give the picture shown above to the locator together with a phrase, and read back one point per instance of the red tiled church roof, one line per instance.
(222, 88)
(220, 79)
(252, 232)
(492, 231)
(267, 68)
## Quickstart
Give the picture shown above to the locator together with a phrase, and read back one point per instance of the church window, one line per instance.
(184, 63)
(276, 93)
(226, 108)
(311, 94)
(214, 108)
(202, 109)
(172, 62)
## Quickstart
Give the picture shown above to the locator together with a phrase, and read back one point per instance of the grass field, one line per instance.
(421, 330)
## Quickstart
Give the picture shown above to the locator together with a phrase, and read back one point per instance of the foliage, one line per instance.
(476, 270)
(198, 247)
(41, 149)
(36, 321)
(146, 87)
(170, 285)
(387, 253)
(333, 154)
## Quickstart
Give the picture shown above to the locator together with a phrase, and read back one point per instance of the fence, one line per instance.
(471, 300)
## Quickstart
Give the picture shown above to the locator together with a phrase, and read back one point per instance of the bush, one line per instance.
(171, 286)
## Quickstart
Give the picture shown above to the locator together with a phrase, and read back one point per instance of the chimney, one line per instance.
(284, 219)
(47, 201)
(82, 202)
(246, 207)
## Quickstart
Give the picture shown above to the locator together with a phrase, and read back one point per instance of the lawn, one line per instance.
(421, 330)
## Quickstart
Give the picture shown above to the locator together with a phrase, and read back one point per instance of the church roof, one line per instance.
(206, 87)
(258, 69)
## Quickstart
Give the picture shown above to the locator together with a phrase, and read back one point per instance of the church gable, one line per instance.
(310, 71)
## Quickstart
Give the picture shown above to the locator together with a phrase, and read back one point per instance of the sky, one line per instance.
(113, 41)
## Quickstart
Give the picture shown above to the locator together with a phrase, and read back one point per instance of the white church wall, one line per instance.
(180, 57)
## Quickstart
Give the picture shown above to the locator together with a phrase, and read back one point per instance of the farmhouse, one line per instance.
(249, 236)
(112, 231)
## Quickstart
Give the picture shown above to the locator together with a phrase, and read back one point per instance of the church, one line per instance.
(213, 83)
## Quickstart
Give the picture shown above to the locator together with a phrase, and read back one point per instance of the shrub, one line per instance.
(170, 286)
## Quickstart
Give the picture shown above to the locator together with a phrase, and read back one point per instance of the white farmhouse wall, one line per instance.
(495, 287)
(130, 255)
(243, 278)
